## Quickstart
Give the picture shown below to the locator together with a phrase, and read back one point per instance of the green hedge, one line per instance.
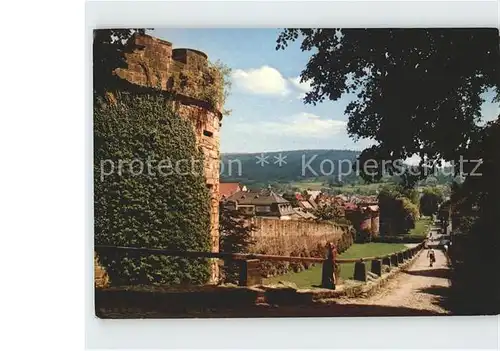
(158, 208)
(346, 240)
(398, 239)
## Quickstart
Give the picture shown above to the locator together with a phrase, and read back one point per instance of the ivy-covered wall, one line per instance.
(198, 89)
(149, 206)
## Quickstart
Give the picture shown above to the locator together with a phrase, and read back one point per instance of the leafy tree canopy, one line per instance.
(330, 212)
(430, 200)
(398, 209)
(235, 235)
(419, 91)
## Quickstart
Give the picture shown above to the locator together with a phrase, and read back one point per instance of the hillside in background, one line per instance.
(244, 167)
(303, 169)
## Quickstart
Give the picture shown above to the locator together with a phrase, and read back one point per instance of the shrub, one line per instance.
(397, 211)
(410, 213)
(347, 239)
(363, 236)
(149, 210)
(236, 237)
(430, 200)
(330, 212)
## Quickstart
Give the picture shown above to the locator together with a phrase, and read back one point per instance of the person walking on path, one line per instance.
(446, 250)
(432, 257)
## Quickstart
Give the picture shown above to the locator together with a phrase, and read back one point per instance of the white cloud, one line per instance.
(264, 80)
(311, 125)
(301, 125)
(267, 80)
(295, 132)
(302, 88)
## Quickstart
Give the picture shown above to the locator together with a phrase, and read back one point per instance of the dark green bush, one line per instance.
(430, 200)
(235, 236)
(156, 208)
(346, 240)
(406, 239)
(398, 211)
(363, 236)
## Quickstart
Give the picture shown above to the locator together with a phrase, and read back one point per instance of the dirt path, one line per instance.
(419, 287)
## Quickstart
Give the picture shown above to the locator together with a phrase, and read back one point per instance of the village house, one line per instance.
(365, 216)
(341, 198)
(324, 199)
(364, 200)
(264, 203)
(302, 201)
(369, 206)
(307, 205)
(362, 211)
(293, 198)
(300, 214)
(228, 189)
(313, 194)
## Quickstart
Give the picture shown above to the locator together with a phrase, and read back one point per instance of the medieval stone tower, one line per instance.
(186, 72)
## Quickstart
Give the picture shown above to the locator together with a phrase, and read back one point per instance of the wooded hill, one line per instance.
(244, 167)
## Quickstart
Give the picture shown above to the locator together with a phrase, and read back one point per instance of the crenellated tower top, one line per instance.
(182, 71)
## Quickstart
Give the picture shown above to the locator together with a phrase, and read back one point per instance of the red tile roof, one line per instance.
(228, 189)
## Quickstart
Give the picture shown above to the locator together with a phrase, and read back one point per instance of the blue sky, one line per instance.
(268, 113)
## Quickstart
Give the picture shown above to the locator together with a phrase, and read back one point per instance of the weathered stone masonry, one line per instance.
(295, 238)
(157, 64)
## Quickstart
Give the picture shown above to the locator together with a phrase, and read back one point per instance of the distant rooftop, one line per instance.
(263, 197)
(227, 189)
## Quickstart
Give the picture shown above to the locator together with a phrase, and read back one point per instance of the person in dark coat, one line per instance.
(431, 256)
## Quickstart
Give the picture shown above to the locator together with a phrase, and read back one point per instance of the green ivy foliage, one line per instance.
(398, 212)
(430, 200)
(235, 235)
(160, 207)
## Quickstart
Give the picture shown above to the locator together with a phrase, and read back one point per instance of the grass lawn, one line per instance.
(359, 189)
(312, 277)
(346, 189)
(421, 227)
(309, 185)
